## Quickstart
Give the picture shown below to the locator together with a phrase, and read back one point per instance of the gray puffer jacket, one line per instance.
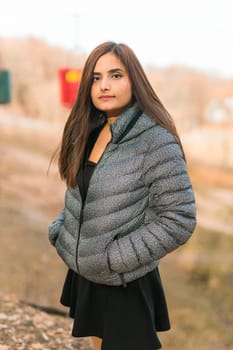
(139, 206)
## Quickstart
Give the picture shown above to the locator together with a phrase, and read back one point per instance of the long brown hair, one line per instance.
(84, 116)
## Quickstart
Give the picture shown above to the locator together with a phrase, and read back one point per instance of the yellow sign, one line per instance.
(73, 76)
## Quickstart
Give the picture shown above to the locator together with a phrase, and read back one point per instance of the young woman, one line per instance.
(128, 203)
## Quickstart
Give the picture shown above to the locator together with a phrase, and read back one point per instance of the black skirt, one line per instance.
(125, 318)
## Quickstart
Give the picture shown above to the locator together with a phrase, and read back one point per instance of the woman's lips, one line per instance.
(105, 97)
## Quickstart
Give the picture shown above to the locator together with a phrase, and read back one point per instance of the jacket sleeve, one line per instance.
(54, 227)
(171, 202)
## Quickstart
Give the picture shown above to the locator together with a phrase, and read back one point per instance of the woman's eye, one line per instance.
(117, 76)
(95, 78)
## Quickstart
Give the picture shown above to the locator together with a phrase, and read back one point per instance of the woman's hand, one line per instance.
(54, 228)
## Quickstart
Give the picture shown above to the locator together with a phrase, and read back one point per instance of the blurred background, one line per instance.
(186, 48)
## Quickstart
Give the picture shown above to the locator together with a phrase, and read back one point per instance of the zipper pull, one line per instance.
(124, 284)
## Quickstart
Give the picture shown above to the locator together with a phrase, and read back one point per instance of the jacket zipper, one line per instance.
(81, 217)
(83, 204)
(79, 232)
(122, 277)
(82, 209)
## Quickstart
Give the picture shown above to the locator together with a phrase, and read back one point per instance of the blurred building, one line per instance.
(220, 111)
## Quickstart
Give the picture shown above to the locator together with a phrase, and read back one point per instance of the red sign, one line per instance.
(69, 83)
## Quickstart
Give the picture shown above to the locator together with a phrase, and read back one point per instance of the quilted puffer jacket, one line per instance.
(139, 206)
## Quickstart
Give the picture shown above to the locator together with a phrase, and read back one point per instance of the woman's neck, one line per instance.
(111, 120)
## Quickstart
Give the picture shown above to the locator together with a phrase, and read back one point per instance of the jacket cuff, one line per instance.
(53, 232)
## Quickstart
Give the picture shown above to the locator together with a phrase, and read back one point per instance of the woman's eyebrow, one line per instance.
(113, 70)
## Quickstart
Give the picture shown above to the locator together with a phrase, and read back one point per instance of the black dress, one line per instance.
(125, 318)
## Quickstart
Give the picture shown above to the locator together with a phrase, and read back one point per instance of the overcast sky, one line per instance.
(196, 33)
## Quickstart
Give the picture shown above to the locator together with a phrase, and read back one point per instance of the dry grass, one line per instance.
(198, 281)
(211, 176)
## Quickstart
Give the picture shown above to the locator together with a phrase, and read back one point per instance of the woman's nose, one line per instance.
(104, 85)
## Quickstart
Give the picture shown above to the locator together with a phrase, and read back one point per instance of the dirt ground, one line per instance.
(26, 328)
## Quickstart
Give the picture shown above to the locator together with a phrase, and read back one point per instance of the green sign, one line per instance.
(5, 86)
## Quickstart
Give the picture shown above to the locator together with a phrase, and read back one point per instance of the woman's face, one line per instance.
(111, 90)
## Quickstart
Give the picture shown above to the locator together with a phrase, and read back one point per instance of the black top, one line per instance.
(125, 318)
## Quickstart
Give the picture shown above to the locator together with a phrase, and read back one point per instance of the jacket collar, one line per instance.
(124, 123)
(130, 124)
